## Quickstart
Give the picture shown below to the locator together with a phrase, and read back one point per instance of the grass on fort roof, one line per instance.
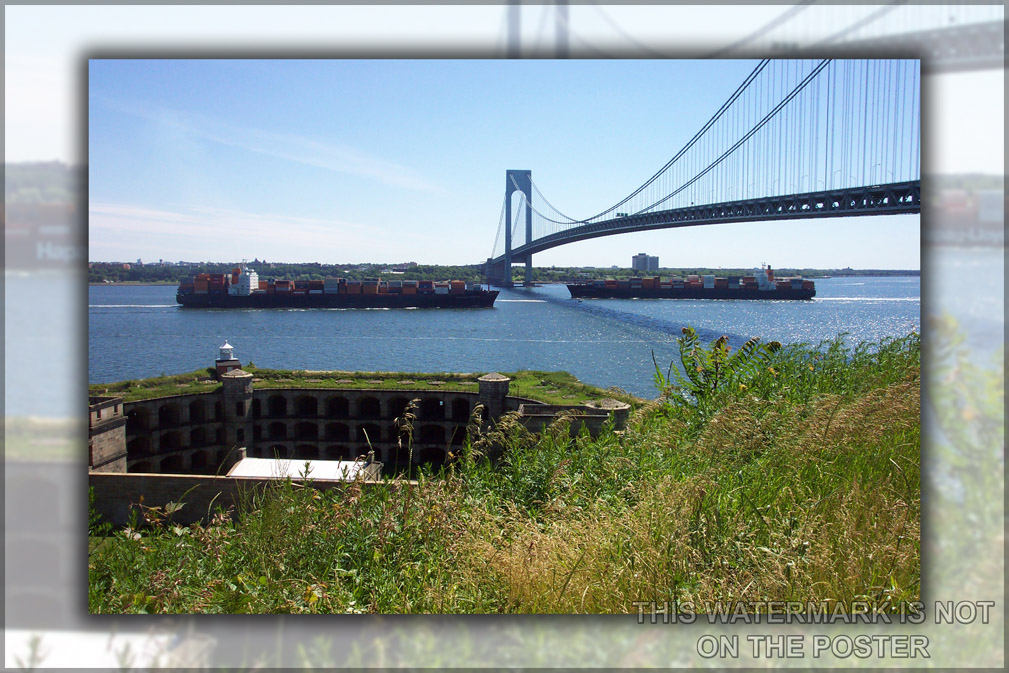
(547, 387)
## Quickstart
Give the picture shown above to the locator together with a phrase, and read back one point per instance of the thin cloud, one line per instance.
(150, 232)
(223, 221)
(292, 147)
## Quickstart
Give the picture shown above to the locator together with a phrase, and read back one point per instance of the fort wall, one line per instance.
(200, 495)
(106, 434)
(195, 433)
(180, 448)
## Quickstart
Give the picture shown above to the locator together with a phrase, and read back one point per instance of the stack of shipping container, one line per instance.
(205, 283)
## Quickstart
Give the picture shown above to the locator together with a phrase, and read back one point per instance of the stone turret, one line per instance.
(106, 434)
(236, 393)
(616, 409)
(493, 391)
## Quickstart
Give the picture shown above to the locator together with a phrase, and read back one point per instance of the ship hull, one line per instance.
(469, 299)
(596, 292)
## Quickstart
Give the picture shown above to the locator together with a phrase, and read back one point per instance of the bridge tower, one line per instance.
(518, 181)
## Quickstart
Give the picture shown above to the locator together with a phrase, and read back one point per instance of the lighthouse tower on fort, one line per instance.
(226, 360)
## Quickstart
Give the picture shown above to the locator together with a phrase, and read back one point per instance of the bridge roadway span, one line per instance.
(889, 199)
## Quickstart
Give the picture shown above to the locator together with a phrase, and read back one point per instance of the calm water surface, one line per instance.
(138, 331)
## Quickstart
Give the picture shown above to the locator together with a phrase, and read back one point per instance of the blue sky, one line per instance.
(395, 160)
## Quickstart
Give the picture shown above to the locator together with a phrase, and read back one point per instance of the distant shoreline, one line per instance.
(897, 273)
(135, 282)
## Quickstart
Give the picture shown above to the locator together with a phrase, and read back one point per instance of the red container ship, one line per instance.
(243, 289)
(760, 285)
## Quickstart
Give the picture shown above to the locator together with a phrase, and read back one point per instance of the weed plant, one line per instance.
(791, 473)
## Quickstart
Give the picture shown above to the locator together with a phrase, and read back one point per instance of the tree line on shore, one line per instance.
(162, 272)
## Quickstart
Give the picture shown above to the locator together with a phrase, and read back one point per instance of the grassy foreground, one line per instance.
(769, 473)
(548, 387)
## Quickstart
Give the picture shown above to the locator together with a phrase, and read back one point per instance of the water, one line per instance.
(139, 331)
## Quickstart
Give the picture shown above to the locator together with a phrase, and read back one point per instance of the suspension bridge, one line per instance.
(797, 139)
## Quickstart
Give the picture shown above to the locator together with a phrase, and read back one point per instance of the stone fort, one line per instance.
(208, 433)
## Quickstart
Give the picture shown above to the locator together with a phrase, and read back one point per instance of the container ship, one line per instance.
(243, 289)
(760, 285)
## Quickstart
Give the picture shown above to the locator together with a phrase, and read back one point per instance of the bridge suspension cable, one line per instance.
(787, 126)
(500, 227)
(792, 128)
(647, 183)
(552, 206)
(770, 115)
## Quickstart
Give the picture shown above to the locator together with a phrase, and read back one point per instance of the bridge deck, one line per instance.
(889, 199)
